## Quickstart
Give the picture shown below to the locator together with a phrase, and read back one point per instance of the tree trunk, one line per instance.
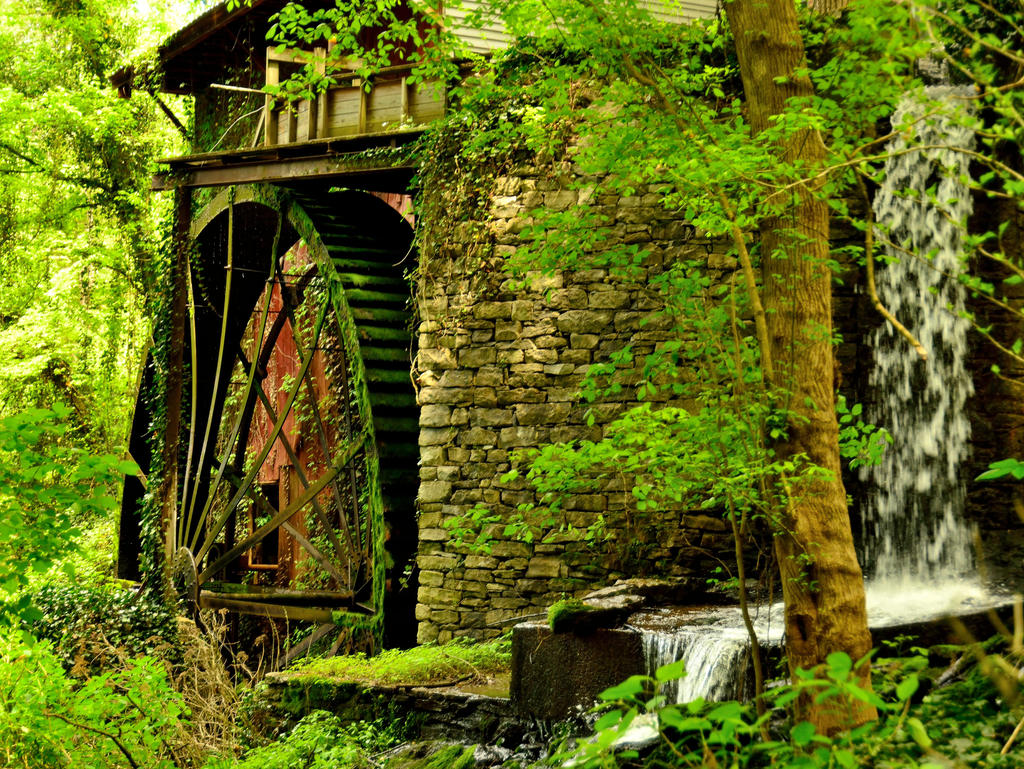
(823, 587)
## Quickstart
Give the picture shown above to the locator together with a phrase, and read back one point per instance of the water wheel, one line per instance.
(297, 391)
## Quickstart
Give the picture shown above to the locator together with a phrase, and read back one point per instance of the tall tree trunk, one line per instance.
(822, 582)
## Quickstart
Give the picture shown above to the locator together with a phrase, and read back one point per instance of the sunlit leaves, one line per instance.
(46, 488)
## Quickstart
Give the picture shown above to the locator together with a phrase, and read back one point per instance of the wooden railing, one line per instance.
(388, 102)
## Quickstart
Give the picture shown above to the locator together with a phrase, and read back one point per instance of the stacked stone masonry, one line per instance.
(499, 369)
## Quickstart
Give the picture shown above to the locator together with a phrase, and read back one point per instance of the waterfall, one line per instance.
(915, 536)
(914, 530)
(716, 663)
(714, 644)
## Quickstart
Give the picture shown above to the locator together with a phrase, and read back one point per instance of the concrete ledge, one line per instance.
(555, 674)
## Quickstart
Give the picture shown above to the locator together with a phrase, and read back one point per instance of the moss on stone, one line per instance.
(564, 615)
(457, 661)
(432, 755)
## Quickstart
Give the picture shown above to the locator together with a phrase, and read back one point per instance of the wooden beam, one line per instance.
(303, 646)
(335, 146)
(167, 493)
(208, 600)
(321, 599)
(279, 171)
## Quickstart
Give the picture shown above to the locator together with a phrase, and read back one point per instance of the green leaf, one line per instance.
(628, 689)
(670, 672)
(839, 665)
(802, 733)
(918, 733)
(726, 711)
(609, 719)
(1003, 468)
(907, 687)
(845, 758)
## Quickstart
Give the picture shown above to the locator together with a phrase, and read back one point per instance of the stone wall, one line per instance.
(499, 369)
(997, 408)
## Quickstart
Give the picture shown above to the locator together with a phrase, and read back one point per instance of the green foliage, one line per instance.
(89, 624)
(1013, 468)
(859, 442)
(76, 219)
(459, 659)
(321, 740)
(701, 734)
(47, 489)
(448, 757)
(48, 721)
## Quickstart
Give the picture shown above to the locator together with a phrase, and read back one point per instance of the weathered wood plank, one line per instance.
(284, 171)
(270, 114)
(208, 600)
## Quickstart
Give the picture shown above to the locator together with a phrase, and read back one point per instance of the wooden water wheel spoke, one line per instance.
(294, 458)
(315, 553)
(304, 645)
(278, 427)
(318, 486)
(343, 519)
(218, 371)
(236, 427)
(264, 504)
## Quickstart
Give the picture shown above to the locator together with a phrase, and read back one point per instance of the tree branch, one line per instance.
(83, 181)
(112, 737)
(869, 261)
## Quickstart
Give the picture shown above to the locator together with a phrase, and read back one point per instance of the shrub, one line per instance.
(48, 721)
(88, 625)
(46, 489)
(321, 740)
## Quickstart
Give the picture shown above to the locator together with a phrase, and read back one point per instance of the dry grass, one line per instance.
(210, 679)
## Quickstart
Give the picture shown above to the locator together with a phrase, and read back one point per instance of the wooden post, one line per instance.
(168, 491)
(363, 99)
(269, 113)
(406, 117)
(291, 125)
(316, 126)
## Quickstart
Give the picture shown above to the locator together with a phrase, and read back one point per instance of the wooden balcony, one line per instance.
(388, 103)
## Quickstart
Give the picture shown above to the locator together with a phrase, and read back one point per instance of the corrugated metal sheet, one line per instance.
(493, 35)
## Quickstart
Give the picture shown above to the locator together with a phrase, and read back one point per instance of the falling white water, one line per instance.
(914, 529)
(715, 663)
(715, 648)
(715, 645)
(917, 544)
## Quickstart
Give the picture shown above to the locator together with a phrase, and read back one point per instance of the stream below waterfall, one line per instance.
(716, 646)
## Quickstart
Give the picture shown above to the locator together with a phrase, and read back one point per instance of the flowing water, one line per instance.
(914, 530)
(917, 547)
(716, 649)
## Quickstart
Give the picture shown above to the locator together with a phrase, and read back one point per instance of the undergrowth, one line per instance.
(962, 716)
(455, 661)
(90, 625)
(321, 740)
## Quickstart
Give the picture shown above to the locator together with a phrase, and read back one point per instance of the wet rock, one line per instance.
(642, 734)
(491, 755)
(653, 592)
